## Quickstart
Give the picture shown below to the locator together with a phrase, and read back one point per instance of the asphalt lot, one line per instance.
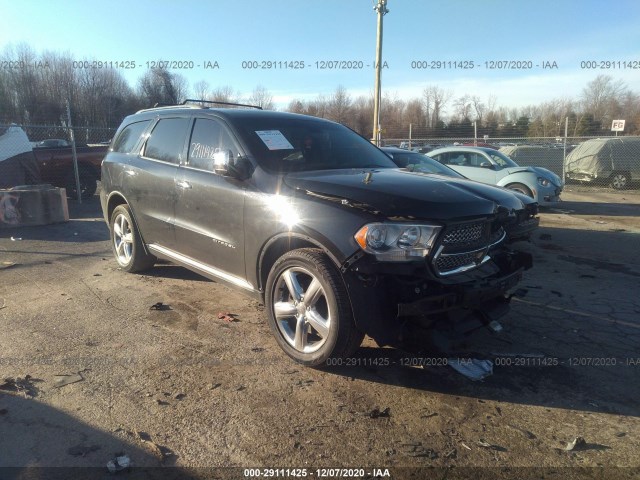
(179, 387)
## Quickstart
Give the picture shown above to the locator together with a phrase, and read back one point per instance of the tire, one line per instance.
(522, 188)
(88, 183)
(620, 180)
(126, 242)
(311, 331)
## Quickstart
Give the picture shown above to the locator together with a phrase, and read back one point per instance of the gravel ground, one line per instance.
(182, 389)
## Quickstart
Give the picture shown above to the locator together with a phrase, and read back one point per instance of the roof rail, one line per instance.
(221, 103)
(161, 106)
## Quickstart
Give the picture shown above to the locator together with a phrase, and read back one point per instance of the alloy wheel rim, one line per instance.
(123, 239)
(301, 310)
(619, 181)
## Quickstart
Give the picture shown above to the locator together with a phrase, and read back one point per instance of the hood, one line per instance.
(399, 193)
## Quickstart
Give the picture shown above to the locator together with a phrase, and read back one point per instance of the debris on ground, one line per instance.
(82, 450)
(377, 413)
(16, 239)
(484, 444)
(465, 445)
(577, 443)
(5, 265)
(472, 368)
(417, 449)
(227, 317)
(179, 396)
(25, 385)
(257, 349)
(453, 453)
(160, 306)
(527, 433)
(4, 304)
(63, 380)
(120, 462)
(520, 293)
(159, 451)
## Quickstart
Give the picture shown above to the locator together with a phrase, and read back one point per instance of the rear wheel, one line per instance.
(620, 180)
(126, 242)
(521, 188)
(309, 309)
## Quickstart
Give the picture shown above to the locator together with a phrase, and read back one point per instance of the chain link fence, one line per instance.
(612, 162)
(64, 157)
(48, 154)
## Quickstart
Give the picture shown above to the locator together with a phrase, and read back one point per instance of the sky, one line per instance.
(426, 42)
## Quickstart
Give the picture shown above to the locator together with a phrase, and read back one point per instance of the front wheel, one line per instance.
(521, 188)
(619, 181)
(126, 242)
(309, 310)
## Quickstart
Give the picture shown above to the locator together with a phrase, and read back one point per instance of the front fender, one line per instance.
(527, 178)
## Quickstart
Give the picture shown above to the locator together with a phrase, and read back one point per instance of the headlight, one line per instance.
(543, 182)
(397, 242)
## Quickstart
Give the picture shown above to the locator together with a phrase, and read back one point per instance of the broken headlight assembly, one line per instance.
(397, 242)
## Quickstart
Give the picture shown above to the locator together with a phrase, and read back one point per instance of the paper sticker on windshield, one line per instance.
(274, 140)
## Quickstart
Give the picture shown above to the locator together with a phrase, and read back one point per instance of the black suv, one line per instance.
(312, 219)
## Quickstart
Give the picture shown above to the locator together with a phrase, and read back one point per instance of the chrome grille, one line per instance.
(447, 263)
(464, 234)
(466, 246)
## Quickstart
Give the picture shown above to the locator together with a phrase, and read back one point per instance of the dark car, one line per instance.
(310, 218)
(417, 162)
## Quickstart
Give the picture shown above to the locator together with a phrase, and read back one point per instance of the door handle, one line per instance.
(183, 184)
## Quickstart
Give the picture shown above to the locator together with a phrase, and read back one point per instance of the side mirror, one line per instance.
(221, 161)
(486, 165)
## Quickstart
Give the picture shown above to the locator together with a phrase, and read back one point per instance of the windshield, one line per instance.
(299, 144)
(417, 162)
(502, 160)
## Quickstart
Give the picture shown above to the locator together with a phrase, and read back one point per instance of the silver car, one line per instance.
(490, 166)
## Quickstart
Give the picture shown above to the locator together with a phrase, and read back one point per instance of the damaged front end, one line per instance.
(460, 286)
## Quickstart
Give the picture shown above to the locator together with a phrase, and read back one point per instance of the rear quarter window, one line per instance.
(129, 137)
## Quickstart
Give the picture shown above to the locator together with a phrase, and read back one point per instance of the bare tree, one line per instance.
(261, 98)
(224, 94)
(479, 109)
(437, 99)
(462, 107)
(201, 89)
(339, 105)
(160, 86)
(603, 97)
(296, 106)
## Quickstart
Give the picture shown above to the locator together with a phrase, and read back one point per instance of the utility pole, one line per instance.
(381, 8)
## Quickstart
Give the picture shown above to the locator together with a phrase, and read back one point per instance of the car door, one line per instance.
(210, 207)
(149, 180)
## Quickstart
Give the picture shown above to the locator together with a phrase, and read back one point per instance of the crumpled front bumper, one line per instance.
(390, 311)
